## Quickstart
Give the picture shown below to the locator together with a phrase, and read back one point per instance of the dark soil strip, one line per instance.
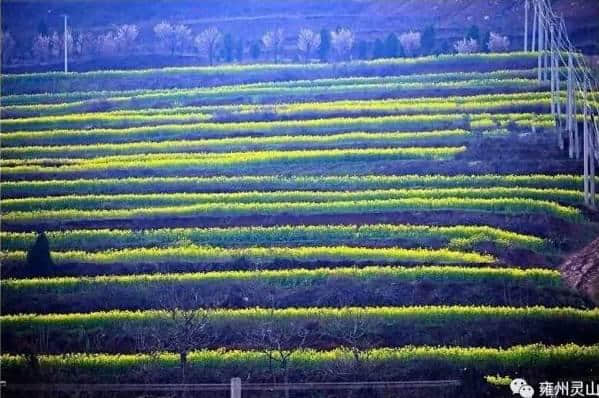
(162, 80)
(20, 270)
(399, 167)
(329, 292)
(544, 226)
(490, 332)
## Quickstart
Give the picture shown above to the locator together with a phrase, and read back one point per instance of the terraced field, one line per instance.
(388, 220)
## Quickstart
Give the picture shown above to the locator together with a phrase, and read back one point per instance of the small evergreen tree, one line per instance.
(379, 49)
(239, 51)
(445, 47)
(473, 33)
(362, 50)
(38, 256)
(391, 46)
(255, 50)
(428, 40)
(42, 28)
(484, 46)
(325, 45)
(228, 47)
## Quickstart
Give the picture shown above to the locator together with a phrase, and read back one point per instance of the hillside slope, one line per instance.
(249, 19)
(399, 219)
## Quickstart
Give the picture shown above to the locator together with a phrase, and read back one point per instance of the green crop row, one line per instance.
(276, 183)
(233, 160)
(103, 120)
(427, 314)
(495, 205)
(460, 236)
(284, 277)
(132, 201)
(533, 96)
(221, 365)
(302, 127)
(127, 323)
(236, 74)
(261, 256)
(273, 94)
(493, 121)
(65, 97)
(181, 115)
(233, 144)
(191, 115)
(219, 130)
(472, 103)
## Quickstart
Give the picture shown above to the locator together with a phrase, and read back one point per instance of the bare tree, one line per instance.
(466, 46)
(85, 44)
(308, 41)
(356, 338)
(125, 36)
(8, 46)
(107, 44)
(498, 43)
(188, 328)
(410, 42)
(278, 341)
(164, 33)
(172, 37)
(182, 36)
(273, 42)
(57, 44)
(41, 48)
(342, 42)
(207, 43)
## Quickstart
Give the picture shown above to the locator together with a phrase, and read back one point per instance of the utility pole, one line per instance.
(570, 108)
(553, 111)
(550, 40)
(555, 89)
(588, 150)
(556, 60)
(526, 6)
(540, 44)
(547, 46)
(66, 57)
(534, 25)
(576, 129)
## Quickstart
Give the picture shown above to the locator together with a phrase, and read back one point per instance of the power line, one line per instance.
(553, 46)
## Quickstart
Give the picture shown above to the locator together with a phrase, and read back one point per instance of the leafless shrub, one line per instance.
(411, 42)
(466, 46)
(273, 42)
(342, 42)
(307, 42)
(498, 43)
(207, 42)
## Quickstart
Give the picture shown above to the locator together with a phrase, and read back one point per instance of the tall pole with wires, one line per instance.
(550, 39)
(585, 148)
(570, 108)
(526, 7)
(66, 56)
(556, 66)
(540, 43)
(534, 25)
(546, 41)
